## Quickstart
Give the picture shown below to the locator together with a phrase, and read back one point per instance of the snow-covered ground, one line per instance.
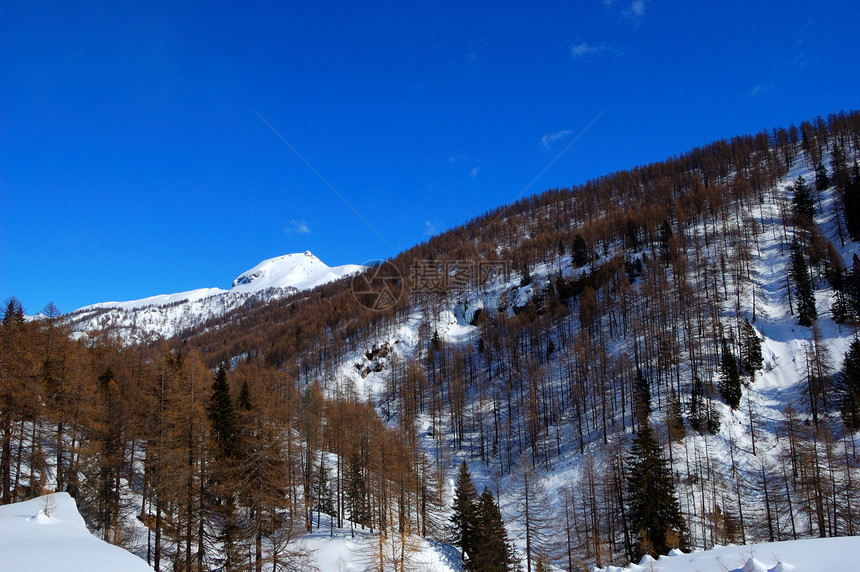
(810, 555)
(48, 533)
(343, 552)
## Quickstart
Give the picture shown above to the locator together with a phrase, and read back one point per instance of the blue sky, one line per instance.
(148, 148)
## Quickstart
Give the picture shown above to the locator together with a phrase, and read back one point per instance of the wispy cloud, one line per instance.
(636, 9)
(297, 227)
(548, 139)
(761, 88)
(467, 162)
(584, 50)
(430, 228)
(633, 11)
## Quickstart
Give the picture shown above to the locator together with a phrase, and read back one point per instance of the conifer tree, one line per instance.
(806, 312)
(463, 517)
(850, 187)
(222, 415)
(803, 204)
(225, 432)
(665, 245)
(244, 400)
(641, 397)
(12, 332)
(493, 551)
(655, 514)
(751, 348)
(579, 251)
(848, 387)
(822, 181)
(730, 379)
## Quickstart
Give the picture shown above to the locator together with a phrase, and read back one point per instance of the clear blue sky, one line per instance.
(133, 162)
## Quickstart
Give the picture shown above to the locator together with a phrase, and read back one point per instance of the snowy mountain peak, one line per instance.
(299, 271)
(167, 314)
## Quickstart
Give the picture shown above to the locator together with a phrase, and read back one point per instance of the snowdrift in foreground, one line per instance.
(810, 555)
(48, 533)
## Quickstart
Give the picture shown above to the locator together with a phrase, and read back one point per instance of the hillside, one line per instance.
(674, 333)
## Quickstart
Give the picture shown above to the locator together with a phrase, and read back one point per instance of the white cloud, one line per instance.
(430, 228)
(474, 172)
(298, 227)
(548, 139)
(586, 50)
(637, 8)
(583, 49)
(761, 88)
(633, 11)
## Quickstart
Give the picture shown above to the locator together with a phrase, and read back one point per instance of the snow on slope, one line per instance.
(784, 345)
(168, 314)
(810, 555)
(33, 538)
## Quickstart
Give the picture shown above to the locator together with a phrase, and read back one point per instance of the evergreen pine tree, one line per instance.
(222, 415)
(751, 348)
(850, 187)
(803, 204)
(493, 551)
(436, 341)
(822, 181)
(698, 415)
(463, 518)
(244, 400)
(806, 312)
(525, 275)
(730, 378)
(579, 252)
(665, 237)
(655, 514)
(641, 397)
(848, 387)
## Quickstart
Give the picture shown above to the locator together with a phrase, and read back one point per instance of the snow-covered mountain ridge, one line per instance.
(165, 315)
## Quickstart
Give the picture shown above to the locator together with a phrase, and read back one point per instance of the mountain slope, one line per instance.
(535, 344)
